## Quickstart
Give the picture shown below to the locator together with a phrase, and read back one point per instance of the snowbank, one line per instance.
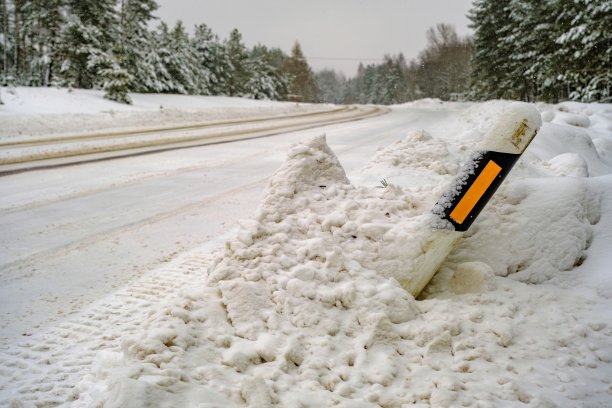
(35, 111)
(304, 307)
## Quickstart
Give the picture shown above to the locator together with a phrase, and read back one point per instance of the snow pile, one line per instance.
(544, 225)
(420, 163)
(299, 310)
(300, 299)
(304, 308)
(418, 150)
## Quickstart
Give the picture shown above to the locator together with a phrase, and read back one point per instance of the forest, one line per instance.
(520, 49)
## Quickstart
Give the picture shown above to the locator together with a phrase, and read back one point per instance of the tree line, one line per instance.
(442, 70)
(530, 50)
(107, 44)
(547, 50)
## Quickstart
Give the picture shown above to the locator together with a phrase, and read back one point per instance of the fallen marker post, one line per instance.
(473, 187)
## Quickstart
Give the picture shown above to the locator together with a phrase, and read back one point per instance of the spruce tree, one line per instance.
(267, 78)
(5, 47)
(489, 20)
(520, 80)
(116, 83)
(43, 20)
(587, 43)
(238, 74)
(159, 80)
(172, 61)
(212, 62)
(542, 50)
(86, 41)
(135, 42)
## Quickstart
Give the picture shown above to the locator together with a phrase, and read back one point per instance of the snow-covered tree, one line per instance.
(587, 43)
(172, 61)
(266, 76)
(238, 74)
(116, 83)
(86, 41)
(43, 20)
(264, 81)
(542, 50)
(331, 86)
(4, 43)
(212, 62)
(490, 60)
(135, 42)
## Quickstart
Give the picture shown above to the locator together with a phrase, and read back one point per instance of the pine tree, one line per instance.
(302, 84)
(261, 82)
(43, 20)
(212, 62)
(587, 43)
(86, 41)
(172, 61)
(265, 82)
(116, 83)
(135, 42)
(238, 74)
(489, 20)
(5, 61)
(542, 50)
(266, 77)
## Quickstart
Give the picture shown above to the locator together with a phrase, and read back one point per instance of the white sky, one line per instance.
(343, 29)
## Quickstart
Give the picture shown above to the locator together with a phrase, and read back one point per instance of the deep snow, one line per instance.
(298, 308)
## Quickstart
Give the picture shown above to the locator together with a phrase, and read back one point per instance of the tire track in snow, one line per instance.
(44, 369)
(169, 129)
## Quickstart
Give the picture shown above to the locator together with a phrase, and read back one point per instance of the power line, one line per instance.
(345, 59)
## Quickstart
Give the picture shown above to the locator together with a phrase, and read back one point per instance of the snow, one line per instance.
(302, 305)
(518, 123)
(33, 111)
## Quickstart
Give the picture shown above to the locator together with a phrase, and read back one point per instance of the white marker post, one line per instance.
(475, 184)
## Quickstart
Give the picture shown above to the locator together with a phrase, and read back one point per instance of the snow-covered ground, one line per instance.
(42, 111)
(290, 306)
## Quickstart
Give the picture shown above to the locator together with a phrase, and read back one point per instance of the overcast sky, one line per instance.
(333, 33)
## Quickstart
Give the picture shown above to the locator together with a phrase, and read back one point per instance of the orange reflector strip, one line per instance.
(475, 192)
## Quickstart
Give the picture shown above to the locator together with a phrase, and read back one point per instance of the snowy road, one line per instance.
(104, 260)
(78, 233)
(32, 153)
